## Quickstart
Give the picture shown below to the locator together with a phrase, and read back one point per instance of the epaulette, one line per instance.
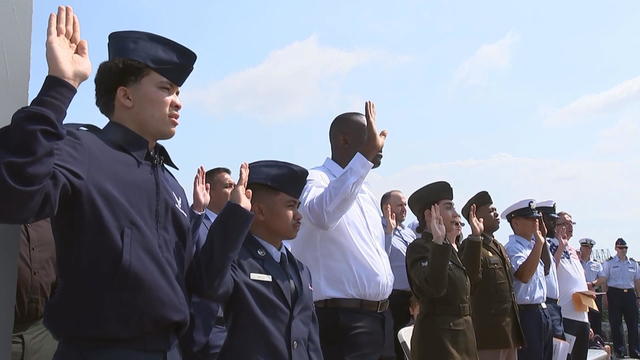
(631, 259)
(610, 258)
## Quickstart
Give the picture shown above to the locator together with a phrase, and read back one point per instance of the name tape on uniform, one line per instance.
(260, 277)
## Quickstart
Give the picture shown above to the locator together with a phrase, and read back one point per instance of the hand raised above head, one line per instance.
(374, 141)
(240, 194)
(67, 54)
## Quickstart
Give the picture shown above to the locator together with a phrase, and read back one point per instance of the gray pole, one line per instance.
(15, 50)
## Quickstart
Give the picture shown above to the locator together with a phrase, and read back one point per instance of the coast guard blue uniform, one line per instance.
(622, 300)
(121, 221)
(269, 310)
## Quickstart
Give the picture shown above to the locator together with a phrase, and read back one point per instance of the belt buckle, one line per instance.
(543, 305)
(625, 290)
(380, 306)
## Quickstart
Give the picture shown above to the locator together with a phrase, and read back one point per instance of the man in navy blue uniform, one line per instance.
(265, 291)
(121, 222)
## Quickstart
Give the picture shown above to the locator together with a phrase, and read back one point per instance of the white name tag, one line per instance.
(260, 277)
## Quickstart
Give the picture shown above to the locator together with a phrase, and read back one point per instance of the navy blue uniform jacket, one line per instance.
(262, 323)
(120, 220)
(206, 333)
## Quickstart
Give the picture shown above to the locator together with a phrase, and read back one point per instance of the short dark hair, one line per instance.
(211, 174)
(385, 198)
(260, 191)
(111, 75)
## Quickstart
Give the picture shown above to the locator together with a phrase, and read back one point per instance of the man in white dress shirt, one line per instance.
(343, 244)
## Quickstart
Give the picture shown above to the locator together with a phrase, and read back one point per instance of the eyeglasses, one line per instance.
(458, 223)
(565, 223)
(621, 247)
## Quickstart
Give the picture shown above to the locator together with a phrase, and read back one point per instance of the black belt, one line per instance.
(615, 289)
(532, 306)
(551, 301)
(377, 306)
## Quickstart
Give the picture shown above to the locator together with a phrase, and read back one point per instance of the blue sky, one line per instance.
(525, 100)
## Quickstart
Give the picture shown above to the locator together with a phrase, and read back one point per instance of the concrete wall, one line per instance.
(15, 49)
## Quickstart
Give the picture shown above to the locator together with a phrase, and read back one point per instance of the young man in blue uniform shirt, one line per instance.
(266, 293)
(121, 222)
(525, 248)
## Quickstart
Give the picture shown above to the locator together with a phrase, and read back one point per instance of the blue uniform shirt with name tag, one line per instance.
(621, 273)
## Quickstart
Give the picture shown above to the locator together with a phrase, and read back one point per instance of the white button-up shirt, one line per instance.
(341, 240)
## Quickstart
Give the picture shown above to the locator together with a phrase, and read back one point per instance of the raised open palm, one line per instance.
(67, 54)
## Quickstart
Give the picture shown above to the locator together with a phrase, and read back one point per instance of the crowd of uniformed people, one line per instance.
(284, 263)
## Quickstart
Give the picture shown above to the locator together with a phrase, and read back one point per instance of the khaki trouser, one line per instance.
(33, 342)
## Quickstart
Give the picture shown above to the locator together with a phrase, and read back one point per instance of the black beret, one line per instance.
(164, 56)
(423, 198)
(279, 175)
(480, 199)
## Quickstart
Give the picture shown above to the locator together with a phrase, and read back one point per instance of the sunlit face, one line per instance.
(621, 251)
(280, 216)
(448, 213)
(154, 107)
(490, 217)
(398, 204)
(456, 224)
(220, 191)
(565, 221)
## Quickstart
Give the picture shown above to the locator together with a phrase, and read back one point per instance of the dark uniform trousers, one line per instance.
(399, 306)
(536, 325)
(443, 329)
(555, 313)
(622, 302)
(595, 317)
(494, 309)
(265, 319)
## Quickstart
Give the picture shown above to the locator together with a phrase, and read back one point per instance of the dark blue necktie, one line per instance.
(287, 267)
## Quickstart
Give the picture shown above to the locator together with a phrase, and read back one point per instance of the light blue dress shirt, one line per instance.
(272, 250)
(402, 236)
(592, 269)
(620, 273)
(551, 279)
(534, 291)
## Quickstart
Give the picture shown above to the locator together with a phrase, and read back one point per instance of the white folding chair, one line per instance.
(404, 337)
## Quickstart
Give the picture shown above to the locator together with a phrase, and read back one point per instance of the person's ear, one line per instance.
(259, 210)
(124, 97)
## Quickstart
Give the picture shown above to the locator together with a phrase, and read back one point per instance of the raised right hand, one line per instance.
(240, 194)
(67, 55)
(374, 141)
(436, 225)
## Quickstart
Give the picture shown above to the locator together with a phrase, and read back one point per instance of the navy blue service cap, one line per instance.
(480, 199)
(523, 208)
(547, 207)
(423, 198)
(621, 242)
(164, 56)
(279, 175)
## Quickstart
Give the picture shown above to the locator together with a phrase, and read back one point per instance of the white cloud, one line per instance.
(292, 82)
(487, 59)
(589, 105)
(622, 137)
(602, 196)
